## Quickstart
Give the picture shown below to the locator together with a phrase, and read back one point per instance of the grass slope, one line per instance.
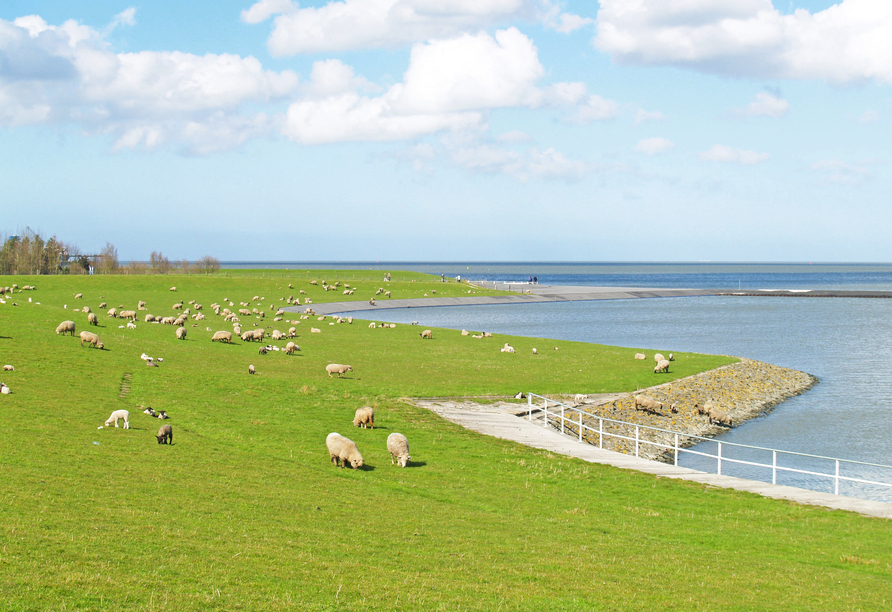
(245, 512)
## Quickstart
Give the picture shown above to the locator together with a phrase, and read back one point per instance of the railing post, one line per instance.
(636, 440)
(719, 472)
(676, 449)
(562, 417)
(530, 406)
(580, 426)
(545, 408)
(836, 480)
(774, 467)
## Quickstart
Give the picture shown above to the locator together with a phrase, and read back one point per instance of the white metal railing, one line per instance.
(558, 410)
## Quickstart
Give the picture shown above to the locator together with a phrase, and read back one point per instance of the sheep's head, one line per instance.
(404, 460)
(356, 463)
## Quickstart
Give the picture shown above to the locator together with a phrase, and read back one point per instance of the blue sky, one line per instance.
(431, 130)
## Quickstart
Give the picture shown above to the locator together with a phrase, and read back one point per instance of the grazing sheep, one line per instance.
(427, 334)
(671, 358)
(365, 417)
(658, 357)
(662, 366)
(372, 325)
(112, 312)
(251, 369)
(314, 330)
(77, 296)
(91, 319)
(130, 325)
(141, 305)
(65, 327)
(290, 348)
(342, 450)
(222, 336)
(535, 352)
(8, 368)
(263, 350)
(102, 305)
(640, 356)
(4, 389)
(705, 408)
(149, 318)
(173, 288)
(721, 417)
(648, 404)
(91, 338)
(119, 415)
(165, 434)
(85, 309)
(277, 335)
(127, 314)
(181, 333)
(337, 368)
(398, 447)
(507, 348)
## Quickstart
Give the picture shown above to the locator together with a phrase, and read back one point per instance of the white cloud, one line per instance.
(868, 117)
(126, 17)
(333, 77)
(448, 85)
(653, 146)
(765, 105)
(521, 165)
(848, 42)
(837, 171)
(722, 153)
(62, 74)
(265, 9)
(642, 116)
(514, 137)
(363, 24)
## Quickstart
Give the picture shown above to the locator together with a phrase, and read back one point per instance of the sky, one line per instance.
(450, 130)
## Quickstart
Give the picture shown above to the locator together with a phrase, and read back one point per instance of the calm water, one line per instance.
(845, 342)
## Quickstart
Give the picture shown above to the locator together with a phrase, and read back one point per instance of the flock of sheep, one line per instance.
(713, 413)
(341, 450)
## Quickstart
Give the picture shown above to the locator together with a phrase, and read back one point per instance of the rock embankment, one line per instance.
(744, 390)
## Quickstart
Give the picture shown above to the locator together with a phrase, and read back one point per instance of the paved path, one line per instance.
(520, 294)
(501, 421)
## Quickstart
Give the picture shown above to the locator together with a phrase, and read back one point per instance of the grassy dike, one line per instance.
(245, 512)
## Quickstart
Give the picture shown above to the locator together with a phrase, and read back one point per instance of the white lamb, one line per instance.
(119, 415)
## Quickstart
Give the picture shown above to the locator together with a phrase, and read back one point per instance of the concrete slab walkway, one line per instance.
(501, 421)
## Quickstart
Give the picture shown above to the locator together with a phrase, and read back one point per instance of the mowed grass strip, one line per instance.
(245, 512)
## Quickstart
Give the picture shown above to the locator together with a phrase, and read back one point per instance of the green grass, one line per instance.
(245, 512)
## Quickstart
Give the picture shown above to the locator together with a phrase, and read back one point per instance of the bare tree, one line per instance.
(159, 263)
(108, 259)
(208, 264)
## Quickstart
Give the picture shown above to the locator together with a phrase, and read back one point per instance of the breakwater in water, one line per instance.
(744, 390)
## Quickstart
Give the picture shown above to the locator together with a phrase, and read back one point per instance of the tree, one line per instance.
(108, 259)
(208, 264)
(159, 263)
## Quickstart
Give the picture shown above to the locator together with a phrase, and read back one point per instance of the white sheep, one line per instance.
(119, 415)
(427, 334)
(507, 348)
(337, 368)
(365, 417)
(181, 333)
(222, 336)
(290, 348)
(251, 369)
(8, 368)
(640, 356)
(165, 434)
(92, 339)
(662, 366)
(658, 357)
(91, 319)
(341, 450)
(4, 389)
(65, 327)
(398, 447)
